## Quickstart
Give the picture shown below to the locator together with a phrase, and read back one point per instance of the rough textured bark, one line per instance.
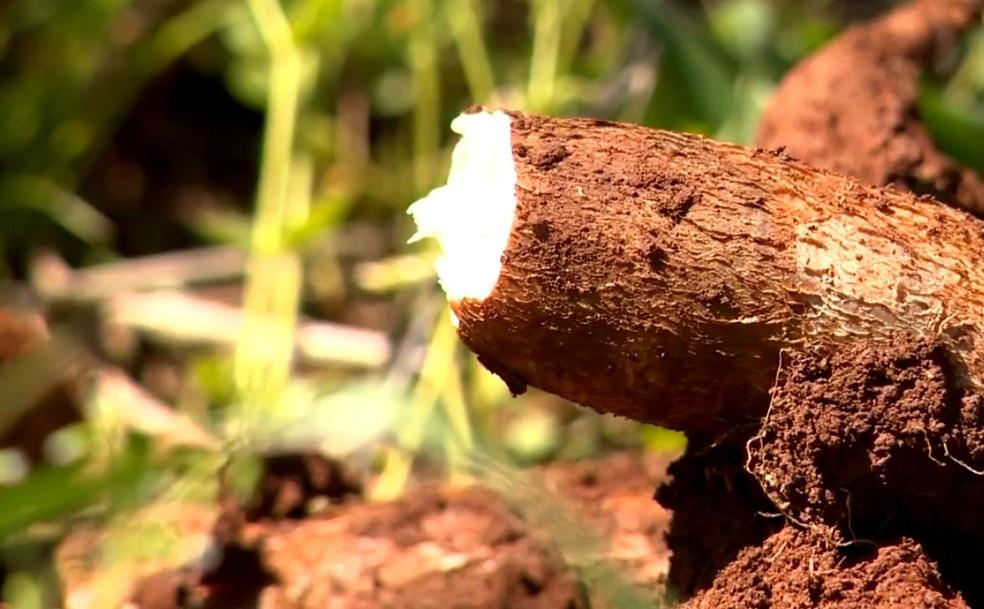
(853, 106)
(658, 275)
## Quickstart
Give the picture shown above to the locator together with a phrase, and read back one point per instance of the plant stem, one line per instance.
(273, 278)
(574, 24)
(547, 25)
(427, 93)
(472, 51)
(435, 373)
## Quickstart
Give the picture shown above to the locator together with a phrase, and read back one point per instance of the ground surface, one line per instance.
(437, 547)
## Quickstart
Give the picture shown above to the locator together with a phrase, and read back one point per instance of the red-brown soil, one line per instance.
(872, 456)
(718, 509)
(434, 548)
(867, 444)
(874, 439)
(797, 569)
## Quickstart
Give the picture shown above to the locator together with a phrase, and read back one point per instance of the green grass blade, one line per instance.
(691, 66)
(54, 493)
(958, 130)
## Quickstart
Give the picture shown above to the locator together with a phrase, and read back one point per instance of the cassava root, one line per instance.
(660, 276)
(853, 106)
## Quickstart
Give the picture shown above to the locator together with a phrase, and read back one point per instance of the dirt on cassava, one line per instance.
(869, 460)
(874, 440)
(718, 509)
(870, 443)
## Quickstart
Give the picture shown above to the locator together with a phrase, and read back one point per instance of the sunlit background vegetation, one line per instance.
(205, 200)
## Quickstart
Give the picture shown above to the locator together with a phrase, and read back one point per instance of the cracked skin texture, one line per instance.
(657, 275)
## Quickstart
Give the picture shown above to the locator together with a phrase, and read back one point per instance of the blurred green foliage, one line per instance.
(357, 96)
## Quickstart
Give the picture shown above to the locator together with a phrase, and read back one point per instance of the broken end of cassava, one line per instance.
(472, 215)
(510, 309)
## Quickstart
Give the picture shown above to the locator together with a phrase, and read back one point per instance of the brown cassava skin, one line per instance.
(658, 275)
(853, 106)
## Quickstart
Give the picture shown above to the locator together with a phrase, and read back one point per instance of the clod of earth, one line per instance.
(801, 570)
(874, 440)
(718, 509)
(659, 275)
(868, 445)
(852, 107)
